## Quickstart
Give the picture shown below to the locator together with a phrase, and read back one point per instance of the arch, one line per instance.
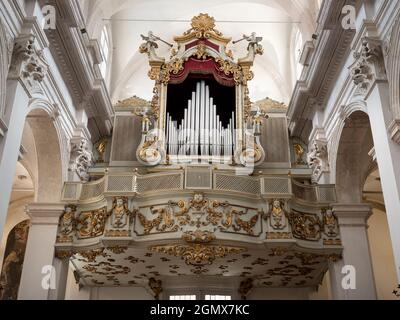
(394, 68)
(353, 162)
(344, 113)
(46, 133)
(52, 112)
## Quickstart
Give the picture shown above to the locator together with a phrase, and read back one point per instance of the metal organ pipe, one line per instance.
(200, 134)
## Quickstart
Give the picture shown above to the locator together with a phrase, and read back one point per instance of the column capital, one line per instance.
(369, 66)
(45, 213)
(352, 214)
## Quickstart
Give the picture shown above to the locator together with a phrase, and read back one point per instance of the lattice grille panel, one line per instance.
(276, 186)
(198, 178)
(161, 182)
(327, 194)
(92, 190)
(70, 191)
(237, 183)
(120, 183)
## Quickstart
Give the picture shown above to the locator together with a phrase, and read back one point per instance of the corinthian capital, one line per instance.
(369, 65)
(28, 63)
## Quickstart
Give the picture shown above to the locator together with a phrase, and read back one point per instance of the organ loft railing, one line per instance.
(200, 111)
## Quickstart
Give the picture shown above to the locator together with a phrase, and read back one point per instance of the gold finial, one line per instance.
(203, 23)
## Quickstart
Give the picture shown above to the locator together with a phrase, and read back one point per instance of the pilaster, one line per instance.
(352, 220)
(39, 256)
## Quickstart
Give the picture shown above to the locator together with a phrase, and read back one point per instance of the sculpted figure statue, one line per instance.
(82, 159)
(120, 212)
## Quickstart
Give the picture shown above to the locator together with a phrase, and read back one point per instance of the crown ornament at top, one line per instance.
(203, 27)
(203, 24)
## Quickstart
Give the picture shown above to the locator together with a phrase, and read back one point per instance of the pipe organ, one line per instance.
(201, 133)
(188, 214)
(221, 127)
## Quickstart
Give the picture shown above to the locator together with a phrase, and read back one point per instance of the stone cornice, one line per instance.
(77, 60)
(45, 213)
(328, 57)
(352, 214)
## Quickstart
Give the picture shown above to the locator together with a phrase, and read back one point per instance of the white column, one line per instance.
(388, 156)
(352, 219)
(23, 79)
(61, 266)
(17, 103)
(39, 250)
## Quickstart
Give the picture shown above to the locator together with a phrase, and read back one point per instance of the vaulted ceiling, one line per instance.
(278, 21)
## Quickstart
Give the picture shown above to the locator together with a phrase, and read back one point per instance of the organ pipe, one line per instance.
(200, 132)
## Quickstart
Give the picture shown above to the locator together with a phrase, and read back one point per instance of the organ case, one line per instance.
(200, 111)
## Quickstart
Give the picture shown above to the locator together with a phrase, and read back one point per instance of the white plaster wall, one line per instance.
(72, 291)
(123, 293)
(382, 255)
(324, 290)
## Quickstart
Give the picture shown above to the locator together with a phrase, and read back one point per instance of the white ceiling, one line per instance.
(274, 71)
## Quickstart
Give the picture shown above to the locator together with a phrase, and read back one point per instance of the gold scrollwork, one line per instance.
(197, 254)
(91, 255)
(228, 68)
(106, 269)
(201, 52)
(200, 212)
(174, 67)
(162, 223)
(202, 27)
(91, 224)
(67, 225)
(305, 226)
(198, 236)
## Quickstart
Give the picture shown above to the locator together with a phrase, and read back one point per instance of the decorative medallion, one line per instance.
(197, 254)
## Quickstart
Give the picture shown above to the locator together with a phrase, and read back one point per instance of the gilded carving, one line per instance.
(91, 224)
(290, 270)
(106, 269)
(199, 212)
(305, 226)
(331, 228)
(299, 154)
(101, 147)
(202, 27)
(229, 67)
(277, 215)
(163, 222)
(197, 254)
(201, 52)
(91, 255)
(198, 236)
(174, 67)
(67, 225)
(120, 213)
(133, 102)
